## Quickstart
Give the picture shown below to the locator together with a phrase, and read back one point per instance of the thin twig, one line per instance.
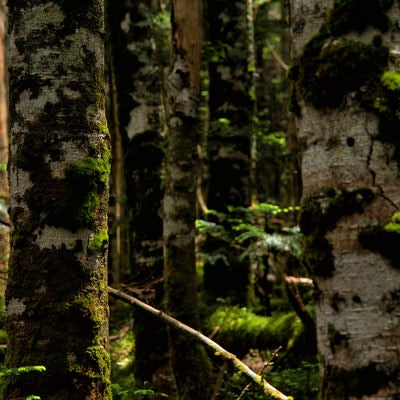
(220, 380)
(218, 350)
(296, 302)
(259, 372)
(122, 332)
(278, 58)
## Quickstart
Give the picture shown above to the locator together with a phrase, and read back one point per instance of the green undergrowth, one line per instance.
(122, 364)
(124, 385)
(300, 382)
(239, 329)
(122, 347)
(121, 392)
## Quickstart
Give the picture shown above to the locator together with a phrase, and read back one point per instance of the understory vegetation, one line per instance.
(267, 333)
(270, 326)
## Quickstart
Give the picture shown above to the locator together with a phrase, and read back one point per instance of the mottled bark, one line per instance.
(4, 190)
(138, 84)
(229, 139)
(231, 105)
(188, 357)
(347, 116)
(57, 312)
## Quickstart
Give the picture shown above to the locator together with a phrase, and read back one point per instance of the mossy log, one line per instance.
(267, 388)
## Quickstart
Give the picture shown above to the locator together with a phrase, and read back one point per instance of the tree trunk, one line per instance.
(231, 105)
(231, 110)
(57, 312)
(188, 358)
(118, 254)
(277, 161)
(138, 84)
(346, 100)
(4, 189)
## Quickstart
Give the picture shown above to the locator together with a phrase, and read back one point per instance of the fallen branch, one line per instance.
(218, 350)
(296, 302)
(299, 281)
(278, 58)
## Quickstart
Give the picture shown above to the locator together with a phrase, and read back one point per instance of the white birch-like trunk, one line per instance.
(57, 309)
(350, 175)
(4, 189)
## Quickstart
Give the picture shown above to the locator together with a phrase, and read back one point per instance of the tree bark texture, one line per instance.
(230, 103)
(138, 84)
(118, 254)
(189, 360)
(231, 109)
(346, 86)
(57, 304)
(4, 189)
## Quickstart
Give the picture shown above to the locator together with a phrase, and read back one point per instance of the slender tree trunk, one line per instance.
(346, 98)
(138, 84)
(277, 162)
(118, 259)
(231, 105)
(291, 193)
(231, 109)
(4, 189)
(188, 358)
(57, 312)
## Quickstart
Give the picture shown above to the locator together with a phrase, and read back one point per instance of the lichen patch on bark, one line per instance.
(29, 106)
(59, 166)
(51, 237)
(347, 113)
(39, 16)
(15, 307)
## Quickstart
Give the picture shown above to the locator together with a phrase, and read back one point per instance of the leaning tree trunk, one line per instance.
(189, 360)
(57, 312)
(231, 109)
(347, 85)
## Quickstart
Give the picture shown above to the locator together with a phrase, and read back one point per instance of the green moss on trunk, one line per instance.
(333, 67)
(59, 166)
(384, 239)
(53, 341)
(330, 69)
